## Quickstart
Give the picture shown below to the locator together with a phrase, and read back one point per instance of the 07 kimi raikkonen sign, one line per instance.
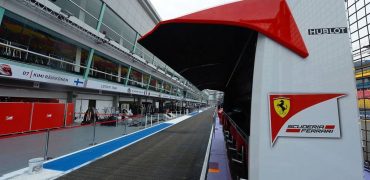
(304, 115)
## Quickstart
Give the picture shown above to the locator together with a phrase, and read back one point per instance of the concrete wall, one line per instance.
(30, 93)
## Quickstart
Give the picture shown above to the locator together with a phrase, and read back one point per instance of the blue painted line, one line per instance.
(193, 113)
(79, 158)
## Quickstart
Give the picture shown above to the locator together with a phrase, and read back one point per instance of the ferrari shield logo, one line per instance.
(282, 106)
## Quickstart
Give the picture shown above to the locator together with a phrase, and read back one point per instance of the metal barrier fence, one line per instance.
(237, 143)
(358, 20)
(20, 53)
(139, 53)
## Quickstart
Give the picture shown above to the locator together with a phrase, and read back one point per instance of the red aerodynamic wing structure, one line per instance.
(272, 18)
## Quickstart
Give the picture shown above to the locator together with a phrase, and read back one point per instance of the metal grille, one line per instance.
(358, 12)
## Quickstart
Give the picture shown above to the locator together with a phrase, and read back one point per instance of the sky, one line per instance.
(169, 9)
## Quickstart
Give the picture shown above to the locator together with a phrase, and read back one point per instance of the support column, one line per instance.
(78, 60)
(71, 97)
(140, 103)
(150, 78)
(116, 101)
(142, 80)
(156, 105)
(2, 11)
(91, 53)
(161, 87)
(135, 43)
(128, 75)
(89, 61)
(156, 85)
(161, 102)
(119, 73)
(101, 15)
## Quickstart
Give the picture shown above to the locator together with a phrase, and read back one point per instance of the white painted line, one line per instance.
(206, 158)
(23, 174)
(55, 174)
(171, 121)
(89, 162)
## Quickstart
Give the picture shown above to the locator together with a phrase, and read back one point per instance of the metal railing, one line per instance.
(65, 18)
(46, 143)
(20, 53)
(237, 142)
(238, 129)
(358, 14)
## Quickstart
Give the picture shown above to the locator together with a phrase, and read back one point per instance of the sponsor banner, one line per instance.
(154, 94)
(166, 96)
(191, 100)
(106, 86)
(322, 31)
(132, 90)
(11, 70)
(304, 115)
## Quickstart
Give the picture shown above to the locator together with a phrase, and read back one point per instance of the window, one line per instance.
(145, 80)
(22, 33)
(103, 68)
(87, 11)
(167, 87)
(117, 30)
(153, 84)
(136, 78)
(124, 71)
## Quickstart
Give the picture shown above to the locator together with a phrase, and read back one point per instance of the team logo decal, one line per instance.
(5, 70)
(304, 115)
(282, 106)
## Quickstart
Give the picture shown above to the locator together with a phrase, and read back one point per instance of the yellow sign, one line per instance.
(282, 106)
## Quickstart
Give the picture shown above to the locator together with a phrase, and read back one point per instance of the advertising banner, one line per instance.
(13, 70)
(18, 71)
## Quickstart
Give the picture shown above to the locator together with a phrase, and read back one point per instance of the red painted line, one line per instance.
(291, 130)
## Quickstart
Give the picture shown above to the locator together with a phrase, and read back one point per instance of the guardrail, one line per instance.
(238, 129)
(237, 142)
(21, 53)
(47, 7)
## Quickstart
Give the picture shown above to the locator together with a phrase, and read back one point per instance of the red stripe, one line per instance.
(330, 127)
(290, 130)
